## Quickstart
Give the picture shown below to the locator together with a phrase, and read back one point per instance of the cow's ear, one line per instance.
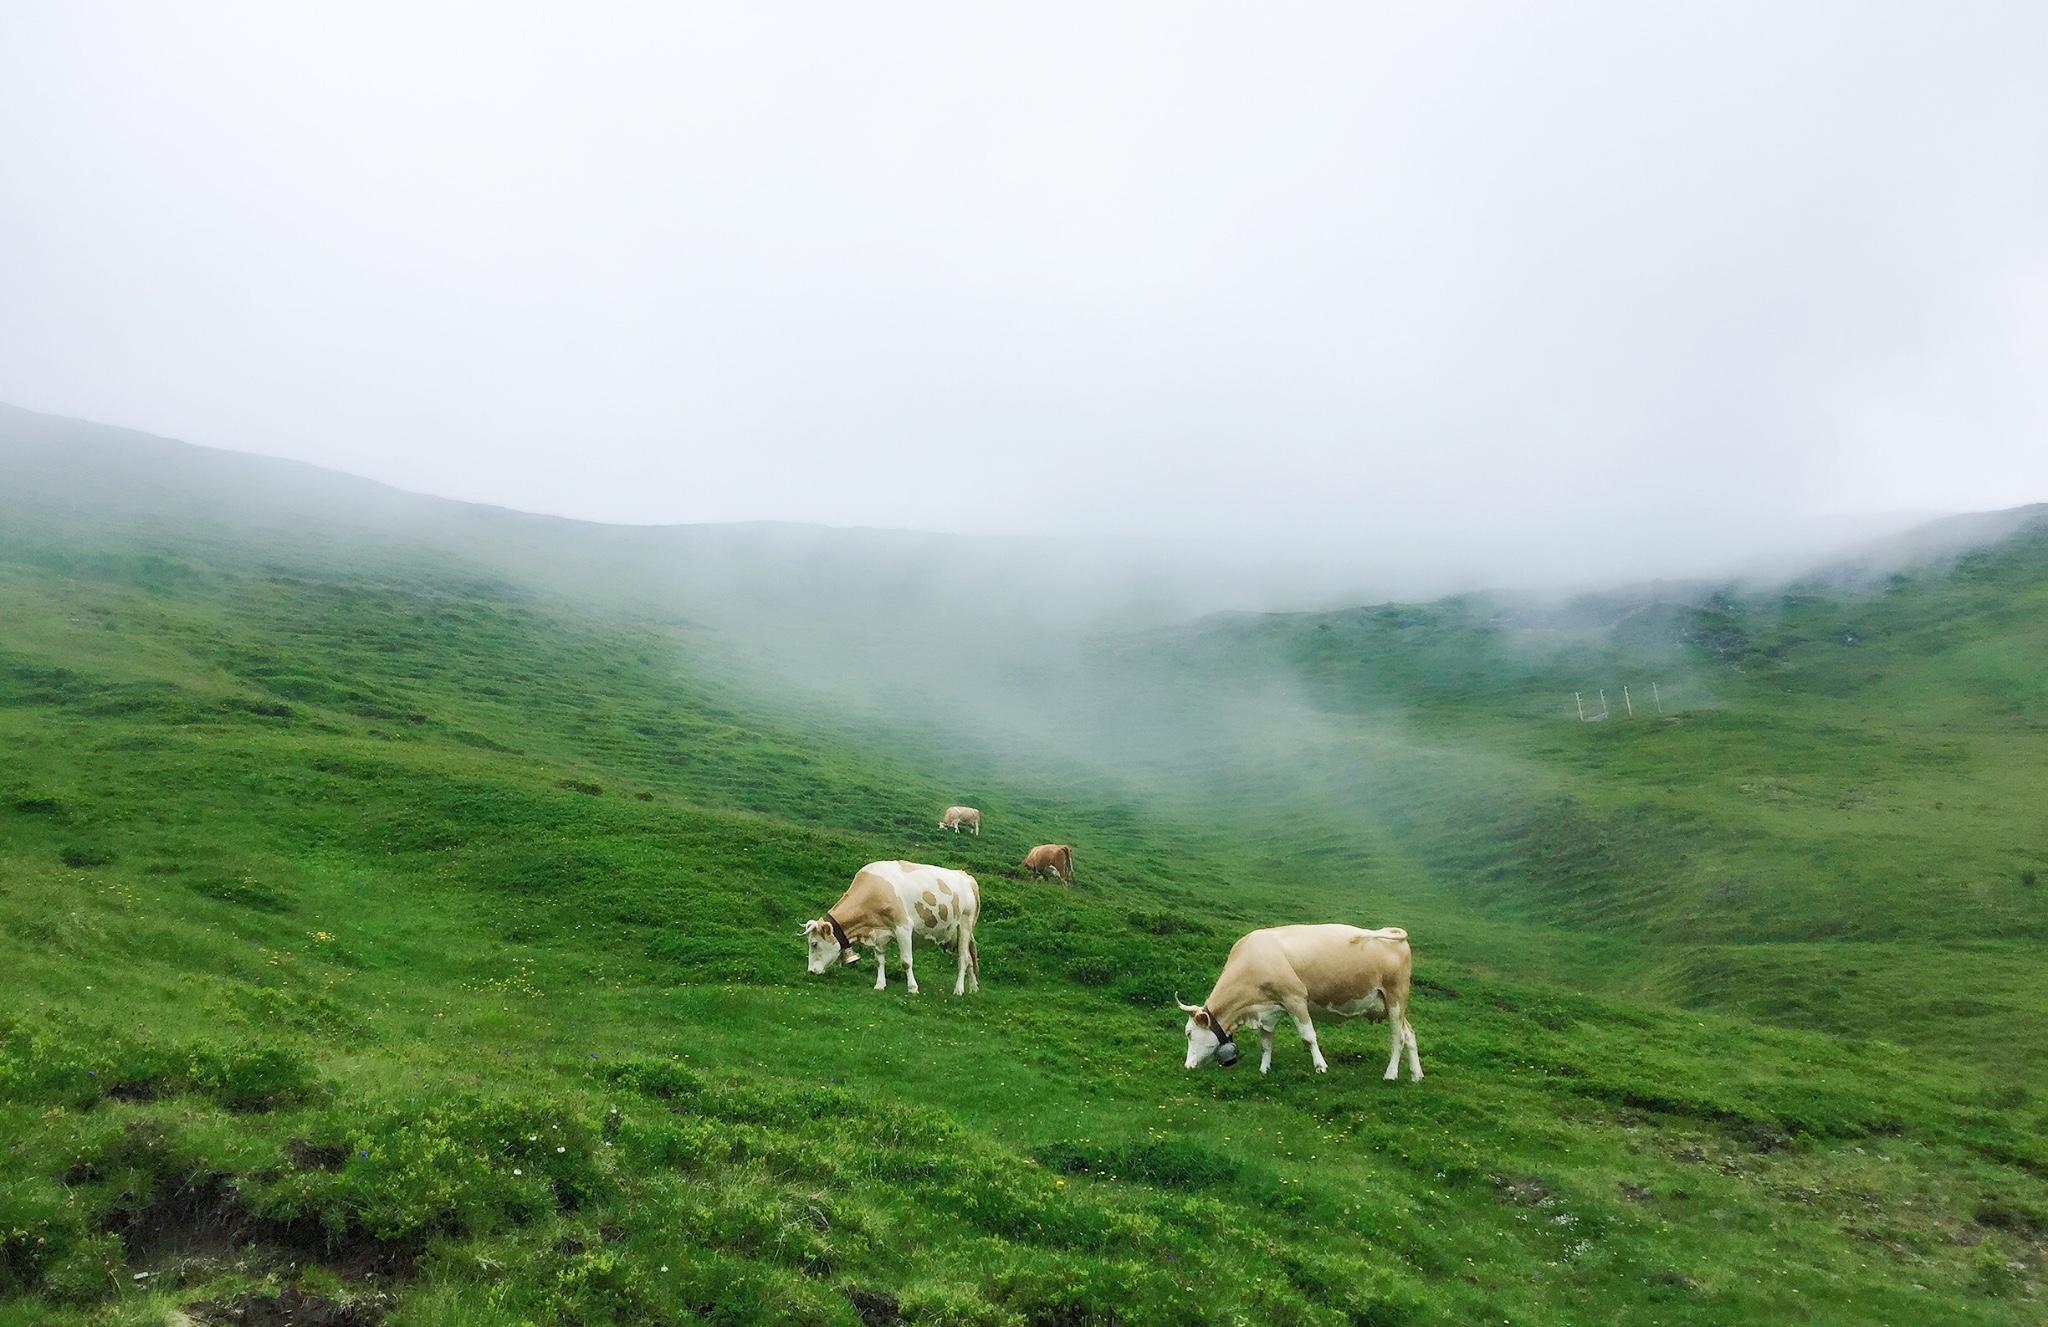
(1202, 1017)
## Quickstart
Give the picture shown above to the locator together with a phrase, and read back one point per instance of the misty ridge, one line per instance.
(1151, 668)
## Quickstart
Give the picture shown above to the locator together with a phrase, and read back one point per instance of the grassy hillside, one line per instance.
(379, 931)
(1834, 816)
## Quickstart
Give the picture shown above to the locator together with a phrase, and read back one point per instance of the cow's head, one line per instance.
(1206, 1038)
(825, 946)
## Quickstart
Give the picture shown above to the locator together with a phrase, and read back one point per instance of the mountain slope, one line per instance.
(418, 935)
(1829, 803)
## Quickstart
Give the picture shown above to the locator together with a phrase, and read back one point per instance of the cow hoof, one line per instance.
(1393, 1077)
(1322, 1068)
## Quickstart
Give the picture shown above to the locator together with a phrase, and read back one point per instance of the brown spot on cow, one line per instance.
(930, 897)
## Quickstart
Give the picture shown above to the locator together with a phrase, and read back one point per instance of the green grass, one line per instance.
(379, 927)
(1836, 823)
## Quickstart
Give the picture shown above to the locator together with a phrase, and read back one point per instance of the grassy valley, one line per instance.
(383, 927)
(1831, 817)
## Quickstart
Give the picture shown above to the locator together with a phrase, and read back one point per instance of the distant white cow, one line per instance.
(900, 901)
(1339, 971)
(958, 818)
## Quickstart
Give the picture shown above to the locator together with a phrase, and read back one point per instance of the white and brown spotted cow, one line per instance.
(1053, 859)
(901, 901)
(958, 818)
(1338, 971)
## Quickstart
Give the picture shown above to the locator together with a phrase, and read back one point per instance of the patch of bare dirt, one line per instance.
(201, 1228)
(290, 1307)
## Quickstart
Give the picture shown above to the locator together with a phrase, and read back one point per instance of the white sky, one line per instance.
(1573, 286)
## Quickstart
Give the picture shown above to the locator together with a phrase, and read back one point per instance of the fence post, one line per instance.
(1626, 701)
(1581, 704)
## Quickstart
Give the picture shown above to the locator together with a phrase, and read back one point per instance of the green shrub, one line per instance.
(604, 1286)
(90, 1270)
(251, 1078)
(36, 1066)
(1092, 971)
(37, 1229)
(466, 1163)
(657, 1078)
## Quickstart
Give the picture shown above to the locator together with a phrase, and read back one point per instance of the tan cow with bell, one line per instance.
(1337, 971)
(1053, 859)
(901, 901)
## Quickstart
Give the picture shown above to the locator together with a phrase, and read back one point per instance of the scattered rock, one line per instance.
(1759, 1137)
(1521, 1190)
(876, 1308)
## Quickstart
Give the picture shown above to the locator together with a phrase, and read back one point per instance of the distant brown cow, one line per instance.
(1053, 859)
(958, 818)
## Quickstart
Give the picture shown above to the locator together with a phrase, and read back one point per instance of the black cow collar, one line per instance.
(838, 932)
(1222, 1039)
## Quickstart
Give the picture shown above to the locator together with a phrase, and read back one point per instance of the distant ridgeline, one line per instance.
(400, 908)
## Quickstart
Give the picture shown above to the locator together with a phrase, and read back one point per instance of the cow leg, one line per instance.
(1298, 1011)
(1265, 1049)
(1414, 1057)
(881, 962)
(903, 957)
(1397, 1019)
(973, 964)
(965, 939)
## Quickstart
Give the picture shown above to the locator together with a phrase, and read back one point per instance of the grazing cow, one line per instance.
(1341, 971)
(961, 817)
(1053, 859)
(898, 901)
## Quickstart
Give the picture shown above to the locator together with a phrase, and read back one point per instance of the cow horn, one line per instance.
(1185, 1008)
